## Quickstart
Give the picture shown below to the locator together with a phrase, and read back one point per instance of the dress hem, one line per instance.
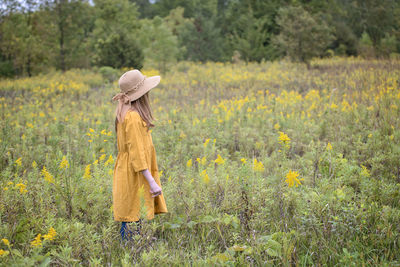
(130, 220)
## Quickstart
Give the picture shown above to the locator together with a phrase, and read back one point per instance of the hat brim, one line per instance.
(148, 84)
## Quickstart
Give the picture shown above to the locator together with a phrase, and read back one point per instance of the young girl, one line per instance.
(136, 163)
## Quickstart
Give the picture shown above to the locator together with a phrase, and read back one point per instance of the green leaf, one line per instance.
(45, 262)
(191, 224)
(272, 252)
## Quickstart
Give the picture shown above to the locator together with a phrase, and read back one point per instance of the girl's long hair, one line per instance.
(142, 105)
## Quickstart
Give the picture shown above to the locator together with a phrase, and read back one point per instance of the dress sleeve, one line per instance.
(135, 142)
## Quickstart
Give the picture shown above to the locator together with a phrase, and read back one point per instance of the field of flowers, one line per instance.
(262, 164)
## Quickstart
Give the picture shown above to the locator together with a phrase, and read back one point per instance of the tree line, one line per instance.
(37, 36)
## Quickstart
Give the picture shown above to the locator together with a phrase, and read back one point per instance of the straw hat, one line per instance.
(133, 84)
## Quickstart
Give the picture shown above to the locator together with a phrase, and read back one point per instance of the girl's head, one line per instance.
(142, 106)
(134, 95)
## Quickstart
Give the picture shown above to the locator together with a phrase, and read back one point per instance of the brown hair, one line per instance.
(142, 106)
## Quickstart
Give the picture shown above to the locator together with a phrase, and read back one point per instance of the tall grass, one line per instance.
(262, 164)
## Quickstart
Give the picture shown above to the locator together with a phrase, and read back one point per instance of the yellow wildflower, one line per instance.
(283, 138)
(6, 242)
(51, 234)
(202, 161)
(37, 241)
(257, 165)
(109, 161)
(91, 130)
(47, 176)
(206, 179)
(189, 163)
(18, 161)
(243, 160)
(103, 156)
(219, 160)
(333, 106)
(34, 164)
(329, 146)
(64, 163)
(4, 252)
(291, 178)
(87, 172)
(21, 187)
(365, 172)
(206, 142)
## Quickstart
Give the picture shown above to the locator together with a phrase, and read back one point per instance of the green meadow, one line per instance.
(262, 164)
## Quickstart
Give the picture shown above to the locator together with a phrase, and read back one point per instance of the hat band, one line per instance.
(137, 86)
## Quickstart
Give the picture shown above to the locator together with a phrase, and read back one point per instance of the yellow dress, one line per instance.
(136, 152)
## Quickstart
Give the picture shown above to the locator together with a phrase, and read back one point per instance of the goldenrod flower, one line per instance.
(291, 178)
(257, 165)
(202, 161)
(87, 172)
(6, 242)
(189, 163)
(18, 161)
(283, 138)
(47, 176)
(103, 156)
(109, 161)
(219, 160)
(206, 142)
(51, 234)
(4, 252)
(365, 172)
(21, 187)
(206, 179)
(64, 163)
(37, 241)
(329, 146)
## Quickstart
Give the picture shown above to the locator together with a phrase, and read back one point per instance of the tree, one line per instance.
(160, 45)
(203, 40)
(114, 38)
(68, 26)
(301, 35)
(250, 38)
(20, 39)
(177, 23)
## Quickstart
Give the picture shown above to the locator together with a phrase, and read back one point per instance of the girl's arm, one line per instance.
(155, 189)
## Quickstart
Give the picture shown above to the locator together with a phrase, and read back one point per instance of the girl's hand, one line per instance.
(155, 189)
